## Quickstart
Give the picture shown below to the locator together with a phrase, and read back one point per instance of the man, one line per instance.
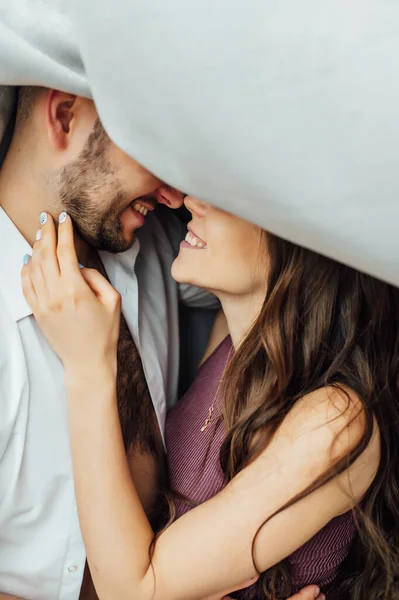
(60, 158)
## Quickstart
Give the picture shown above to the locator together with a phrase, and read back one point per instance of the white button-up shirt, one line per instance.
(41, 549)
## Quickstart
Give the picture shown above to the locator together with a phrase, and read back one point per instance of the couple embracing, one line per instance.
(281, 468)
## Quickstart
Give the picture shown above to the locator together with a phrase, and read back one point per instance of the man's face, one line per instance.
(104, 191)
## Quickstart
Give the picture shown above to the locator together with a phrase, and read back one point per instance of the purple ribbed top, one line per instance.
(195, 472)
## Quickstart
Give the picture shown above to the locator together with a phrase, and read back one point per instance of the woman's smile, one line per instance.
(192, 240)
(235, 259)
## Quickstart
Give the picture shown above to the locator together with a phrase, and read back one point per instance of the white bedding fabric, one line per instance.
(284, 112)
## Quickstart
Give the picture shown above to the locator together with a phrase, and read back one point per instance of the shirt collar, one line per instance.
(126, 260)
(13, 249)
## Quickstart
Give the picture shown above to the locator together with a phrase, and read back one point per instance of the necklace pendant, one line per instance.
(208, 420)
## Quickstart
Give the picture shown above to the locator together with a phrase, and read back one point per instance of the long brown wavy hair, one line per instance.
(322, 324)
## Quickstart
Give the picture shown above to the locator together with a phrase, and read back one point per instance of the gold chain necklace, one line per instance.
(209, 417)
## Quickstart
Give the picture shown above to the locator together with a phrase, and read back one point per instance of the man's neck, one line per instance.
(241, 313)
(20, 198)
(23, 198)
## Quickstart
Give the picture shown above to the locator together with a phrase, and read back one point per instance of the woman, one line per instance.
(305, 418)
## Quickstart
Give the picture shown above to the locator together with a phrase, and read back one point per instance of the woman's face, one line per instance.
(222, 252)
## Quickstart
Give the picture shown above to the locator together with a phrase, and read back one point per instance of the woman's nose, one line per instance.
(195, 206)
(169, 196)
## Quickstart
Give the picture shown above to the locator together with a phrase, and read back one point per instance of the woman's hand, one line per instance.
(311, 592)
(77, 309)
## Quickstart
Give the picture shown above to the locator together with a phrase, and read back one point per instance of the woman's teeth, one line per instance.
(140, 208)
(194, 241)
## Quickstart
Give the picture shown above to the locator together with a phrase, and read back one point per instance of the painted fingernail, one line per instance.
(62, 218)
(38, 235)
(43, 218)
(81, 266)
(26, 259)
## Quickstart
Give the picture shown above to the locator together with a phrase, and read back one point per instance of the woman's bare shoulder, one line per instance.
(321, 429)
(336, 409)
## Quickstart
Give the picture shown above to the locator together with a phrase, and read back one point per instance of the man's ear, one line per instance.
(59, 111)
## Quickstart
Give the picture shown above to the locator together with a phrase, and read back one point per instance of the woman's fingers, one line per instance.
(70, 268)
(45, 248)
(311, 592)
(66, 253)
(54, 273)
(104, 291)
(27, 285)
(43, 266)
(77, 309)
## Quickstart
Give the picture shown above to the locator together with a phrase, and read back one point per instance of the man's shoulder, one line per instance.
(9, 331)
(6, 318)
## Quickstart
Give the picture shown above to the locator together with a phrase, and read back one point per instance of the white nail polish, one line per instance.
(38, 235)
(43, 218)
(62, 218)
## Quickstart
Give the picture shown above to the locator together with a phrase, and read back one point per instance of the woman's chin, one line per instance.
(179, 273)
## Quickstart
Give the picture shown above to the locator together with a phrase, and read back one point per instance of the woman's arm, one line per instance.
(215, 538)
(209, 549)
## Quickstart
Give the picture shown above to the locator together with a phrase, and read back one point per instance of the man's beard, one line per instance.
(86, 186)
(102, 231)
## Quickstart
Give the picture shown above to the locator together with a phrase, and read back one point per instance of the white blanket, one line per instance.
(285, 112)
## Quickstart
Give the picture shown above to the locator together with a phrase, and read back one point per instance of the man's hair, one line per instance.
(27, 97)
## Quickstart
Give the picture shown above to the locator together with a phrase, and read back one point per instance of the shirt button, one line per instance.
(73, 568)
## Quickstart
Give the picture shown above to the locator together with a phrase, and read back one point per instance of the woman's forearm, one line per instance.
(110, 511)
(209, 548)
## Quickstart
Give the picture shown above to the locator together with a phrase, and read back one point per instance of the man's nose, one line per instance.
(169, 196)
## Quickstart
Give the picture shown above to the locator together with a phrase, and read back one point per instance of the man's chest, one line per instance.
(38, 508)
(136, 411)
(151, 315)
